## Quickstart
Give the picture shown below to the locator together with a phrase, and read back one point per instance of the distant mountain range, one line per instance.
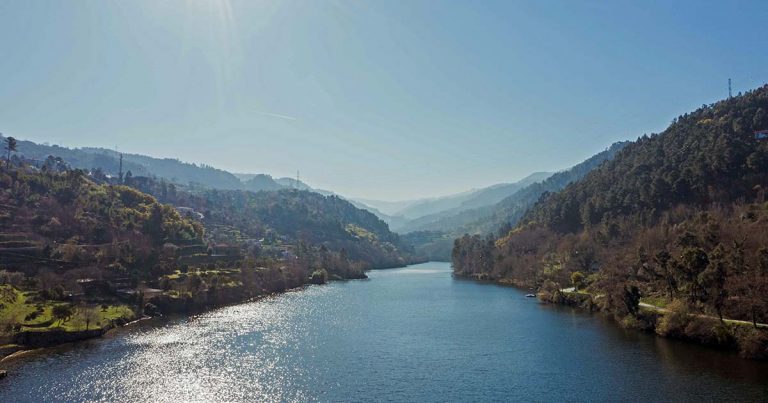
(172, 170)
(433, 235)
(481, 210)
(417, 208)
(396, 214)
(425, 212)
(489, 218)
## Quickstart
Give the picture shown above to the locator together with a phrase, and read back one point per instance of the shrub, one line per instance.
(674, 322)
(549, 292)
(753, 343)
(31, 316)
(631, 322)
(577, 279)
(319, 277)
(708, 331)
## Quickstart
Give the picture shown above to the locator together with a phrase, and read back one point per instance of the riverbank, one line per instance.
(675, 321)
(407, 335)
(32, 341)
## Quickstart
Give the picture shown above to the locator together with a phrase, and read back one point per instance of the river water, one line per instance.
(410, 334)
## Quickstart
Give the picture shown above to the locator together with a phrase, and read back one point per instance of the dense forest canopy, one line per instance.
(297, 215)
(677, 217)
(50, 218)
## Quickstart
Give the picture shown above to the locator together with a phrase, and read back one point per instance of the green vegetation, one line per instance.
(81, 251)
(319, 277)
(676, 219)
(28, 311)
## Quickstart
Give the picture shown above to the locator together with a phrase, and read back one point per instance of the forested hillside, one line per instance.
(676, 219)
(294, 216)
(433, 236)
(81, 252)
(507, 212)
(63, 219)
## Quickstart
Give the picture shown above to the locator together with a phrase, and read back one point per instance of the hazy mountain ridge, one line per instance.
(472, 200)
(454, 203)
(510, 209)
(172, 170)
(434, 237)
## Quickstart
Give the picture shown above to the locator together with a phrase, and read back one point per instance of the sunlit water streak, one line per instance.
(412, 334)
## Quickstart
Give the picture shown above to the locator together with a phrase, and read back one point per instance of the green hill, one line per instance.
(433, 236)
(677, 217)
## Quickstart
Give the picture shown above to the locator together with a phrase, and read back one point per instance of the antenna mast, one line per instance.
(297, 179)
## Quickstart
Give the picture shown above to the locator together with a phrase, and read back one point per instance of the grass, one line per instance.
(360, 232)
(660, 302)
(99, 317)
(18, 307)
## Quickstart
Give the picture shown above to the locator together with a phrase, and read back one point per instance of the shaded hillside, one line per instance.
(677, 218)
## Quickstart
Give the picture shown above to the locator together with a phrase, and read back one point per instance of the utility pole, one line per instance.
(297, 180)
(729, 89)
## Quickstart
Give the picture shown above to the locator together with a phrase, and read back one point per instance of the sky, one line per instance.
(389, 100)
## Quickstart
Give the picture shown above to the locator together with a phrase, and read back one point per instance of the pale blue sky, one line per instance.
(378, 99)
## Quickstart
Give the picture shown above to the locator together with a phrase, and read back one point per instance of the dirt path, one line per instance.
(741, 322)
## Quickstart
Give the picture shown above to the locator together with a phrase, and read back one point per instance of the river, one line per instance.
(410, 334)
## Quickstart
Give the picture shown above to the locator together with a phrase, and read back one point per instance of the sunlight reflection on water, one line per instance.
(403, 336)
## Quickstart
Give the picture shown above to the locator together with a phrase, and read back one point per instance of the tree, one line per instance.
(89, 315)
(62, 313)
(755, 283)
(713, 280)
(194, 282)
(577, 278)
(662, 259)
(632, 299)
(153, 226)
(692, 263)
(10, 146)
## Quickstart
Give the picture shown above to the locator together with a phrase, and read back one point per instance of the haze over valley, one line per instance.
(337, 200)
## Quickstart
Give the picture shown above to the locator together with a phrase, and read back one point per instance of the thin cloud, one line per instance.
(277, 115)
